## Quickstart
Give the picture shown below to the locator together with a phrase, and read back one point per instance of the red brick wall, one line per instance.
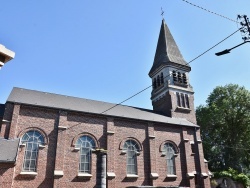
(6, 175)
(189, 115)
(109, 133)
(171, 133)
(45, 121)
(167, 105)
(78, 124)
(5, 128)
(131, 129)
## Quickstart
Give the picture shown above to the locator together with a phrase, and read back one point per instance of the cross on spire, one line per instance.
(162, 12)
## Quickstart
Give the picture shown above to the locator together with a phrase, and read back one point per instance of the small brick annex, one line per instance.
(62, 120)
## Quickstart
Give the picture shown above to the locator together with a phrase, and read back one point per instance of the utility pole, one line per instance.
(245, 31)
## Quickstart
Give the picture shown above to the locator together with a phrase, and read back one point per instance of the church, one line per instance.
(52, 140)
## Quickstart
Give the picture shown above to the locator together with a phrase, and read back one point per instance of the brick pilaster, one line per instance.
(62, 128)
(204, 177)
(152, 152)
(189, 158)
(14, 122)
(110, 153)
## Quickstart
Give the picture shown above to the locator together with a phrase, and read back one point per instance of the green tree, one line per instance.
(225, 128)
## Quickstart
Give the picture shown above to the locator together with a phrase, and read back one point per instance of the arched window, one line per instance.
(179, 77)
(158, 81)
(168, 148)
(174, 76)
(162, 78)
(182, 100)
(178, 99)
(32, 139)
(154, 84)
(184, 78)
(86, 144)
(187, 101)
(132, 149)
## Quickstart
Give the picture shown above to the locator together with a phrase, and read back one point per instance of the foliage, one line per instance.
(213, 183)
(225, 128)
(234, 175)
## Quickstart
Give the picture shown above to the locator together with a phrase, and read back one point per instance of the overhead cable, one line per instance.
(209, 11)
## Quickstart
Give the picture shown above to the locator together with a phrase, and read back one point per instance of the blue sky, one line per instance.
(103, 50)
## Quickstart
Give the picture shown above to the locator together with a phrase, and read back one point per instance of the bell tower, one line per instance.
(172, 94)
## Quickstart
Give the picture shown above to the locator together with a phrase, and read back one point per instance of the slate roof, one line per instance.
(44, 99)
(167, 51)
(8, 150)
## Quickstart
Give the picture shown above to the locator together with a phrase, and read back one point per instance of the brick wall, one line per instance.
(167, 105)
(189, 115)
(63, 128)
(6, 175)
(45, 121)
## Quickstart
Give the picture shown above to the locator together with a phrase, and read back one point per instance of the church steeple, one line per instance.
(172, 93)
(167, 52)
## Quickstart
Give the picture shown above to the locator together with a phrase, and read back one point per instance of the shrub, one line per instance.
(234, 175)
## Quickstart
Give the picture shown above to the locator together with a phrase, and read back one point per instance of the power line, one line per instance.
(171, 73)
(209, 11)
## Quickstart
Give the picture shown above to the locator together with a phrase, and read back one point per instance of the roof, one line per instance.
(8, 150)
(44, 99)
(167, 51)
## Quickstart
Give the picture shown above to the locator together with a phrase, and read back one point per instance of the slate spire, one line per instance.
(167, 52)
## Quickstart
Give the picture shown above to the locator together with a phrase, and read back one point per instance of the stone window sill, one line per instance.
(62, 127)
(190, 175)
(154, 175)
(132, 176)
(84, 175)
(110, 174)
(58, 173)
(204, 174)
(76, 149)
(41, 146)
(186, 139)
(28, 173)
(110, 132)
(171, 176)
(151, 136)
(179, 108)
(123, 152)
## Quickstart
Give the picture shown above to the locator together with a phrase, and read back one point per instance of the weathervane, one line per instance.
(162, 12)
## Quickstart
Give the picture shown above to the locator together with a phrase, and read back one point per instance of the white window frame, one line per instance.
(170, 158)
(132, 150)
(32, 140)
(85, 143)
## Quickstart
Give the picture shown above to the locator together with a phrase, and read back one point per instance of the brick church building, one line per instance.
(50, 140)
